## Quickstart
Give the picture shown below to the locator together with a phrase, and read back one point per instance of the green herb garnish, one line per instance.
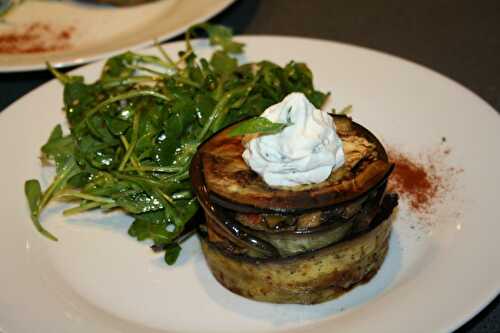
(134, 131)
(258, 125)
(344, 112)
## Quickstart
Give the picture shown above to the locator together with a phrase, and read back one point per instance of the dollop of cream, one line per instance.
(304, 152)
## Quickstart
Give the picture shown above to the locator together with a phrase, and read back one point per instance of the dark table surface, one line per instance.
(458, 38)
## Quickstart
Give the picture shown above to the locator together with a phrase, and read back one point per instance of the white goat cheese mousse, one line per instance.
(306, 151)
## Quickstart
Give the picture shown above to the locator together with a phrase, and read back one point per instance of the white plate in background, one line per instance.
(95, 31)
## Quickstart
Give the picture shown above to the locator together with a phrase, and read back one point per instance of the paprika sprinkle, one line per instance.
(418, 183)
(35, 38)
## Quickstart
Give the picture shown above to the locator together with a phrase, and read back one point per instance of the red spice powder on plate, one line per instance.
(417, 182)
(424, 181)
(35, 38)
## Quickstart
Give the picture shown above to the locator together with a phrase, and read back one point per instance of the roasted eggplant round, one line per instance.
(302, 244)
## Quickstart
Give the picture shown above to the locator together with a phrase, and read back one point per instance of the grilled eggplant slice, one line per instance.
(232, 182)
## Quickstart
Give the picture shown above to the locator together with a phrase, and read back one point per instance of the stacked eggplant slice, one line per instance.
(303, 244)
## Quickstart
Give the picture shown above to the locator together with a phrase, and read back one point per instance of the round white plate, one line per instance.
(81, 32)
(98, 279)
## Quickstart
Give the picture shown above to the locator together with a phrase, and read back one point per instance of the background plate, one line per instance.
(441, 269)
(82, 31)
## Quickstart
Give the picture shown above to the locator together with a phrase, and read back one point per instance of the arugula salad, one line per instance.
(134, 131)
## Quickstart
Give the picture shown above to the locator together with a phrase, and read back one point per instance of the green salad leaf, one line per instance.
(33, 193)
(133, 132)
(172, 253)
(220, 35)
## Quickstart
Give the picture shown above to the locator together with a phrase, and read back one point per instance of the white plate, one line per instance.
(96, 31)
(98, 279)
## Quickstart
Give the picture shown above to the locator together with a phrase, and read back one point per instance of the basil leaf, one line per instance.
(258, 125)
